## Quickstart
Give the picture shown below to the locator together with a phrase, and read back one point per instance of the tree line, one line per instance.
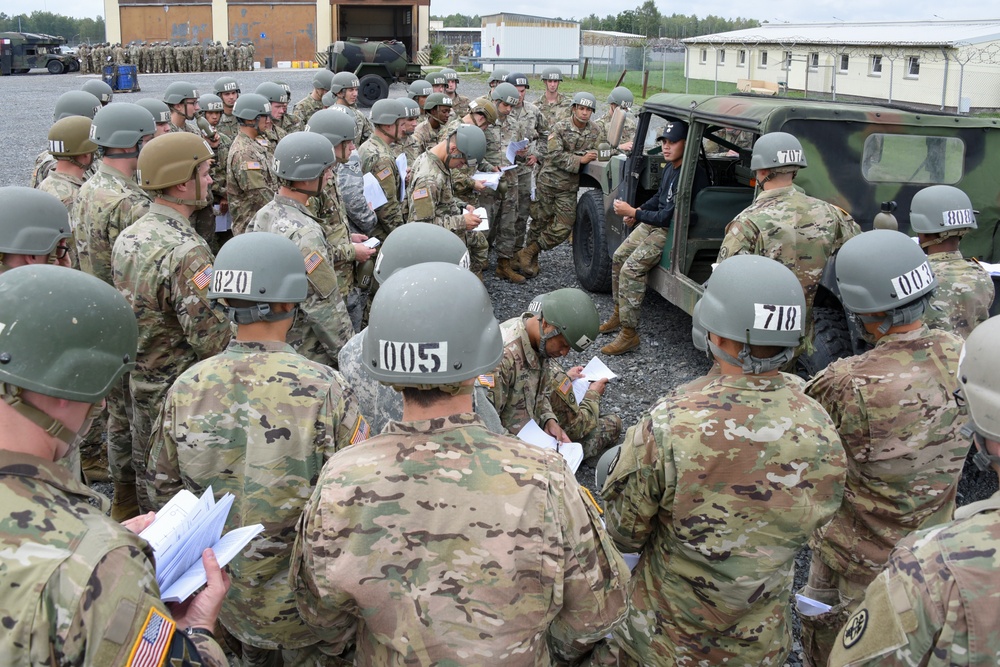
(75, 30)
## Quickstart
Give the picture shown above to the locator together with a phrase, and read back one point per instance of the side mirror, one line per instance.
(616, 127)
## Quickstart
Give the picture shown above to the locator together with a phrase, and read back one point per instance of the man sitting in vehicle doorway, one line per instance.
(641, 251)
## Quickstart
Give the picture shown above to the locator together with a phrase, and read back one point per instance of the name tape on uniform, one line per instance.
(405, 357)
(771, 317)
(228, 281)
(962, 216)
(912, 281)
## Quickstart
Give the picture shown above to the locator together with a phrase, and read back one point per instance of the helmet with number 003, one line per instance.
(498, 75)
(882, 270)
(70, 137)
(411, 107)
(940, 209)
(418, 243)
(99, 89)
(159, 109)
(431, 325)
(121, 125)
(419, 88)
(302, 156)
(471, 142)
(32, 222)
(178, 91)
(251, 106)
(754, 300)
(552, 74)
(272, 92)
(485, 107)
(76, 103)
(517, 79)
(210, 102)
(621, 96)
(64, 333)
(775, 150)
(506, 93)
(225, 84)
(171, 159)
(322, 79)
(337, 127)
(572, 312)
(260, 267)
(342, 80)
(979, 377)
(585, 99)
(387, 112)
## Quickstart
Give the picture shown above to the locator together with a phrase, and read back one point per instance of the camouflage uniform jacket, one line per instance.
(381, 404)
(351, 188)
(164, 268)
(249, 181)
(306, 107)
(258, 421)
(332, 217)
(462, 183)
(497, 557)
(66, 188)
(553, 112)
(567, 143)
(963, 296)
(894, 411)
(529, 123)
(577, 419)
(228, 125)
(363, 126)
(188, 127)
(937, 600)
(520, 384)
(107, 203)
(377, 159)
(324, 326)
(459, 104)
(220, 166)
(44, 163)
(291, 122)
(424, 138)
(79, 589)
(719, 487)
(431, 195)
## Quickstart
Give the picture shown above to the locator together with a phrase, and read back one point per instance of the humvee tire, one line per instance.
(55, 67)
(590, 256)
(831, 340)
(371, 89)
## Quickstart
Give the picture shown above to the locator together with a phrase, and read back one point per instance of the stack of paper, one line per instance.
(571, 451)
(592, 372)
(401, 167)
(513, 147)
(484, 226)
(490, 179)
(184, 528)
(374, 194)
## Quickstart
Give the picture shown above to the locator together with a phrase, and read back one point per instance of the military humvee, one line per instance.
(859, 156)
(22, 51)
(376, 64)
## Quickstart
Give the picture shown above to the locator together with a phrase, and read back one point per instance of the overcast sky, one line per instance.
(777, 10)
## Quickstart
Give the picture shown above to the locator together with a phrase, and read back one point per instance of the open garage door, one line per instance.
(377, 23)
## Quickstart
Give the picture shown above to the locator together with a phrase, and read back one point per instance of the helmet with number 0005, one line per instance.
(64, 333)
(251, 106)
(302, 156)
(225, 84)
(260, 267)
(552, 74)
(979, 377)
(775, 150)
(940, 209)
(882, 270)
(431, 325)
(418, 243)
(76, 103)
(572, 312)
(32, 222)
(159, 109)
(121, 125)
(506, 93)
(342, 80)
(621, 96)
(754, 300)
(70, 137)
(337, 127)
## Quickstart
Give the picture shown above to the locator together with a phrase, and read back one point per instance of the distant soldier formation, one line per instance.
(167, 57)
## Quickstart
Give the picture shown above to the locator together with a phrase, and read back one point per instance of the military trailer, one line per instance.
(859, 156)
(376, 64)
(23, 51)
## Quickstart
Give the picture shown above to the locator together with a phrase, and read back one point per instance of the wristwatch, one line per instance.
(191, 632)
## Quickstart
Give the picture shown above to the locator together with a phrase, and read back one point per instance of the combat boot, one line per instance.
(507, 272)
(125, 504)
(612, 324)
(628, 339)
(95, 463)
(527, 260)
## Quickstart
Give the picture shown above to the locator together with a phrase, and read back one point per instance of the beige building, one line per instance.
(951, 65)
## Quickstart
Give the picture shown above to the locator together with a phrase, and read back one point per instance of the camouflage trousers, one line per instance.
(489, 200)
(844, 595)
(553, 214)
(119, 432)
(508, 231)
(601, 438)
(308, 656)
(147, 400)
(479, 251)
(633, 259)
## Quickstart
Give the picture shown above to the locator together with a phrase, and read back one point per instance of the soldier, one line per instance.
(619, 98)
(100, 90)
(211, 109)
(344, 86)
(497, 76)
(284, 409)
(407, 126)
(785, 224)
(302, 164)
(519, 386)
(210, 56)
(437, 113)
(941, 215)
(418, 91)
(72, 103)
(378, 159)
(459, 102)
(83, 53)
(251, 50)
(936, 600)
(572, 144)
(431, 197)
(70, 145)
(158, 55)
(553, 105)
(163, 267)
(438, 81)
(168, 58)
(227, 88)
(76, 570)
(232, 52)
(322, 81)
(34, 228)
(160, 112)
(290, 122)
(482, 114)
(641, 251)
(542, 569)
(745, 452)
(182, 98)
(527, 123)
(250, 185)
(892, 407)
(278, 98)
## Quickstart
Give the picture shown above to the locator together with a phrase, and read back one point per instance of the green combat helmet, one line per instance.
(437, 100)
(122, 125)
(386, 112)
(329, 99)
(449, 74)
(754, 301)
(65, 334)
(172, 159)
(210, 102)
(484, 106)
(437, 79)
(621, 96)
(942, 210)
(303, 156)
(225, 84)
(470, 142)
(251, 106)
(506, 93)
(32, 222)
(322, 79)
(778, 151)
(178, 91)
(70, 137)
(418, 243)
(419, 88)
(337, 127)
(76, 103)
(571, 311)
(605, 465)
(404, 346)
(412, 108)
(160, 111)
(497, 76)
(272, 92)
(342, 81)
(100, 90)
(585, 100)
(979, 381)
(552, 74)
(699, 336)
(260, 268)
(517, 79)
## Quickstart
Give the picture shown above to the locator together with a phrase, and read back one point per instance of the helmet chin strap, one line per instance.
(51, 425)
(750, 364)
(983, 459)
(906, 314)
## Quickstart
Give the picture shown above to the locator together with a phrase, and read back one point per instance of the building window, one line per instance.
(788, 60)
(763, 59)
(912, 67)
(703, 56)
(845, 60)
(814, 61)
(722, 56)
(743, 57)
(876, 68)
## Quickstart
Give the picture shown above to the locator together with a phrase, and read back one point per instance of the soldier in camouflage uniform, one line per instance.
(344, 87)
(430, 194)
(941, 215)
(71, 103)
(459, 102)
(936, 602)
(211, 110)
(182, 98)
(464, 186)
(71, 571)
(34, 228)
(100, 90)
(70, 145)
(522, 542)
(407, 127)
(745, 453)
(528, 123)
(893, 409)
(785, 224)
(227, 88)
(351, 189)
(286, 415)
(507, 237)
(582, 421)
(378, 159)
(250, 185)
(302, 163)
(619, 98)
(277, 97)
(322, 81)
(427, 133)
(572, 144)
(519, 386)
(553, 105)
(290, 122)
(641, 251)
(160, 112)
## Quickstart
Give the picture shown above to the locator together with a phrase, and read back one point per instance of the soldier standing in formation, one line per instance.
(250, 185)
(322, 81)
(527, 122)
(160, 112)
(427, 133)
(278, 99)
(553, 105)
(459, 102)
(228, 89)
(344, 87)
(508, 236)
(70, 145)
(182, 98)
(72, 103)
(378, 159)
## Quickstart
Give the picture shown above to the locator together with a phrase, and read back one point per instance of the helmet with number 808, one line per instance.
(572, 312)
(940, 209)
(779, 151)
(260, 268)
(882, 270)
(431, 327)
(418, 243)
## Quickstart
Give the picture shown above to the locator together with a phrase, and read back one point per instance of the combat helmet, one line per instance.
(418, 243)
(302, 156)
(70, 137)
(386, 112)
(437, 79)
(484, 106)
(76, 103)
(552, 74)
(437, 100)
(272, 92)
(779, 152)
(621, 96)
(337, 127)
(942, 210)
(572, 312)
(122, 125)
(99, 89)
(497, 76)
(322, 79)
(411, 107)
(979, 382)
(342, 81)
(225, 84)
(32, 222)
(178, 91)
(159, 110)
(172, 159)
(419, 88)
(250, 107)
(517, 79)
(210, 102)
(431, 327)
(470, 142)
(585, 100)
(449, 74)
(329, 99)
(258, 268)
(506, 93)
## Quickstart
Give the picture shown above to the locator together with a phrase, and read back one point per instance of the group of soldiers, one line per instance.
(372, 432)
(166, 57)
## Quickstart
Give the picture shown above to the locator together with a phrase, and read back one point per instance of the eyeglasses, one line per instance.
(60, 251)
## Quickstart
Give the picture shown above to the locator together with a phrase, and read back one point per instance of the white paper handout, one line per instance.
(373, 192)
(513, 147)
(371, 242)
(992, 269)
(594, 370)
(484, 226)
(490, 179)
(402, 166)
(809, 607)
(532, 434)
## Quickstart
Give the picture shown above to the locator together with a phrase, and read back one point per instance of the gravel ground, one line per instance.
(665, 360)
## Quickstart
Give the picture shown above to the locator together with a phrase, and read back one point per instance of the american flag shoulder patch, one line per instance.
(361, 430)
(202, 279)
(313, 260)
(487, 380)
(253, 165)
(565, 386)
(420, 193)
(153, 642)
(384, 174)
